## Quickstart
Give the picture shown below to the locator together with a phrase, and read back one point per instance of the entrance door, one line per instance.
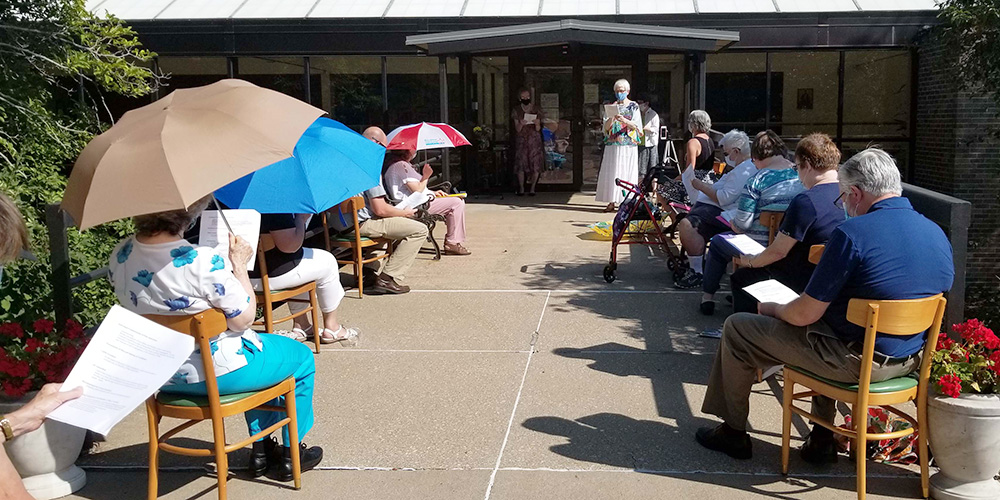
(551, 90)
(598, 89)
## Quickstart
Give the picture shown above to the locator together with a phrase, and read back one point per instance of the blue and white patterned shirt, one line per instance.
(179, 278)
(767, 191)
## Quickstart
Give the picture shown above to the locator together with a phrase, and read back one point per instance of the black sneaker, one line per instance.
(819, 449)
(727, 440)
(263, 455)
(690, 279)
(309, 458)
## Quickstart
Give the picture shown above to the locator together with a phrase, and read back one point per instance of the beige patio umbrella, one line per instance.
(168, 154)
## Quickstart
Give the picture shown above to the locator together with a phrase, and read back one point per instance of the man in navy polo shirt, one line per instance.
(884, 251)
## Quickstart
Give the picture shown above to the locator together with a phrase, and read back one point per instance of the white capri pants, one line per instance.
(316, 265)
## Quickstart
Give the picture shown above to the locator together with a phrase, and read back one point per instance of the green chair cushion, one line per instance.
(349, 238)
(891, 385)
(193, 401)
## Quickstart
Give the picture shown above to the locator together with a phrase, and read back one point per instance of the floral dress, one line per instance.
(179, 278)
(621, 155)
(529, 153)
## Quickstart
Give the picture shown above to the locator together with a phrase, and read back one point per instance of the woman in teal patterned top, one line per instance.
(622, 134)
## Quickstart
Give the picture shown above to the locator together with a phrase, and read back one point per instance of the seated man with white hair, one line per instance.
(884, 251)
(702, 222)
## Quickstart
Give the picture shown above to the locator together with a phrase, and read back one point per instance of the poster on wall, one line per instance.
(590, 93)
(550, 101)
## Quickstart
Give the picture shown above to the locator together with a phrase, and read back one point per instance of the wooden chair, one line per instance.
(355, 241)
(266, 298)
(815, 253)
(213, 407)
(889, 317)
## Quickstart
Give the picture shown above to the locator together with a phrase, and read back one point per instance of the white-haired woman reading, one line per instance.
(621, 153)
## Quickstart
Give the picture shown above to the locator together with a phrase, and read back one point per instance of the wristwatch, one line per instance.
(8, 432)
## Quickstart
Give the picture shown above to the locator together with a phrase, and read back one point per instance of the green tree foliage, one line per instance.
(56, 62)
(970, 30)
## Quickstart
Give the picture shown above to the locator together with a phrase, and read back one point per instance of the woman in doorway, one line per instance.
(621, 151)
(529, 154)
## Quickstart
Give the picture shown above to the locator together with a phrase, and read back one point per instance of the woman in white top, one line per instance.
(402, 180)
(157, 271)
(621, 153)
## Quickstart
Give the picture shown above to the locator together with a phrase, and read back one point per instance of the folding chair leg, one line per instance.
(314, 305)
(293, 435)
(922, 445)
(153, 422)
(860, 422)
(268, 317)
(786, 422)
(359, 272)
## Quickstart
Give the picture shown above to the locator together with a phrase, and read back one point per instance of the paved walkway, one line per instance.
(515, 373)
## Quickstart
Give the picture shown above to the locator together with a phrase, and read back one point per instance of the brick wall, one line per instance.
(956, 155)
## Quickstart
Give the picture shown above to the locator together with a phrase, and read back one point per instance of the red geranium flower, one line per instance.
(950, 385)
(976, 332)
(995, 358)
(944, 343)
(13, 330)
(43, 325)
(33, 344)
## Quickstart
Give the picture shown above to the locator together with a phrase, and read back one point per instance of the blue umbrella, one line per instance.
(330, 164)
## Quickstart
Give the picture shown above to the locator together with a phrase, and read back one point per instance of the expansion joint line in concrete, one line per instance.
(517, 400)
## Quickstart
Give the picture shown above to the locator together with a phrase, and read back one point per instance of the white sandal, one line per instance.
(295, 334)
(346, 336)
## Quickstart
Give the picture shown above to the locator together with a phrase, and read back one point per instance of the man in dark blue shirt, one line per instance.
(886, 251)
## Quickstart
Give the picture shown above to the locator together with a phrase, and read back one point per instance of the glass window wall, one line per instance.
(877, 94)
(350, 89)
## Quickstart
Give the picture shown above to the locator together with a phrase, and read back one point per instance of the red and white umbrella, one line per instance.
(423, 135)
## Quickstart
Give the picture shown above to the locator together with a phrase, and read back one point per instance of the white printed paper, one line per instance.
(744, 244)
(129, 358)
(771, 291)
(529, 118)
(215, 234)
(610, 111)
(686, 177)
(413, 201)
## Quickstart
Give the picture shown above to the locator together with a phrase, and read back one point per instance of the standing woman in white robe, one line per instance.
(621, 152)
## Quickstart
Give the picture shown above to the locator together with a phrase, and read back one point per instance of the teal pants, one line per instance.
(281, 358)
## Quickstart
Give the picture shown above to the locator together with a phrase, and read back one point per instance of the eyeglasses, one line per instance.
(839, 202)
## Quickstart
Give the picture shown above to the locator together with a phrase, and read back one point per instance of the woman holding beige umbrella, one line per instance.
(158, 164)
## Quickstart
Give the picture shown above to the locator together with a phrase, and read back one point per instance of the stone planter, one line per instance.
(45, 458)
(964, 434)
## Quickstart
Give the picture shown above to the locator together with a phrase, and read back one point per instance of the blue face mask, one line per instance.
(846, 215)
(621, 96)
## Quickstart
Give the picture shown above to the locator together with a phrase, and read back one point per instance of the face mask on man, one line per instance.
(730, 161)
(621, 96)
(526, 101)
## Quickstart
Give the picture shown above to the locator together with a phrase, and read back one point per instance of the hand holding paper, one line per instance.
(414, 200)
(129, 358)
(214, 233)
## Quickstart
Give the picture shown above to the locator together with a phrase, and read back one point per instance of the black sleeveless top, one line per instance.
(706, 159)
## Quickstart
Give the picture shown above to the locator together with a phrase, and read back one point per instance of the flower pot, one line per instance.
(45, 457)
(964, 434)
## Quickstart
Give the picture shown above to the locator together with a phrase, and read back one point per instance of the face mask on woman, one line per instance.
(621, 96)
(526, 101)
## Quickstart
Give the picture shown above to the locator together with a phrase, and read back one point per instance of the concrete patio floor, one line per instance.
(515, 373)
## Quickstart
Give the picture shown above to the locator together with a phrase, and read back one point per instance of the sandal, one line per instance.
(296, 334)
(346, 336)
(456, 249)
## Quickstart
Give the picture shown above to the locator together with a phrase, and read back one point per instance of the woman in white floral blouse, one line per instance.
(157, 271)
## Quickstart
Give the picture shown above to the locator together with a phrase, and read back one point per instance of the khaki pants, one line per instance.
(410, 234)
(752, 341)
